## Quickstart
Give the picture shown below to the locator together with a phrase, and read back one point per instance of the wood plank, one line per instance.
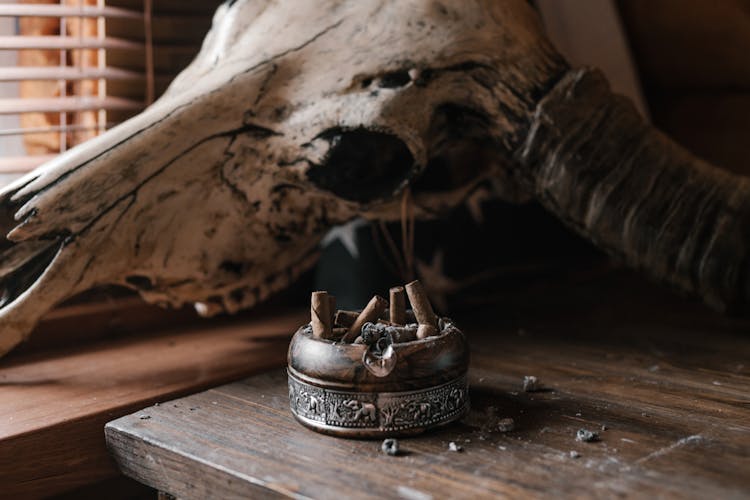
(53, 405)
(667, 378)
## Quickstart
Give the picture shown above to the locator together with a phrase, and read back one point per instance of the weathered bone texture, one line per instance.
(593, 162)
(300, 115)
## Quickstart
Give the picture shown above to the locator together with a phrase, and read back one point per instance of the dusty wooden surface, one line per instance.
(54, 404)
(668, 379)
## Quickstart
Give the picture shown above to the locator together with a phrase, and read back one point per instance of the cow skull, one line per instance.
(297, 116)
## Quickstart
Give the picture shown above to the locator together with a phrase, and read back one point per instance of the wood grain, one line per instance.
(668, 379)
(53, 405)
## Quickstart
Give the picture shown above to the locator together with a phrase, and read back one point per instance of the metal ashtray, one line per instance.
(376, 391)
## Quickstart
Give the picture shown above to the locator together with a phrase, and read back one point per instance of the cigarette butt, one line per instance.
(320, 315)
(387, 323)
(332, 310)
(338, 333)
(398, 305)
(371, 313)
(424, 331)
(421, 304)
(345, 318)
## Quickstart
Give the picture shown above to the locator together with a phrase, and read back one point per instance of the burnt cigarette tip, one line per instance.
(369, 314)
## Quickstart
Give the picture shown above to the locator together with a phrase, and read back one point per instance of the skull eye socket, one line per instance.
(362, 165)
(394, 79)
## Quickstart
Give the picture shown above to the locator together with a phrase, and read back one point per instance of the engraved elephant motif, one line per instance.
(313, 404)
(421, 410)
(361, 411)
(305, 401)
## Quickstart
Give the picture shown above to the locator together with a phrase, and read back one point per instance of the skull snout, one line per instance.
(362, 165)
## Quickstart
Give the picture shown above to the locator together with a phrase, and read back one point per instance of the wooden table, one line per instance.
(54, 403)
(664, 382)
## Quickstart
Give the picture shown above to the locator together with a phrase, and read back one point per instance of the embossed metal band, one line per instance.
(341, 411)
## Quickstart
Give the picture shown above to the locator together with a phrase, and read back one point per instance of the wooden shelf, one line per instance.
(669, 380)
(53, 405)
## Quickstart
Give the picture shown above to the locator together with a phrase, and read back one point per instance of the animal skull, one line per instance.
(297, 116)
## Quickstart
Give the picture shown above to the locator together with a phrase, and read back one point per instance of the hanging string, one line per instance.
(407, 234)
(376, 233)
(401, 262)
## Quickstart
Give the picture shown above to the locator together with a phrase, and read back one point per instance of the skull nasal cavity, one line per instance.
(362, 165)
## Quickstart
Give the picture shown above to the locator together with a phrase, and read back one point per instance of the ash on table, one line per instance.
(587, 436)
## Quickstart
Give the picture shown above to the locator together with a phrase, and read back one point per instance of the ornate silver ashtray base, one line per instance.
(377, 414)
(347, 390)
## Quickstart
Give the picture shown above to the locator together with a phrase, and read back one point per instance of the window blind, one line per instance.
(71, 69)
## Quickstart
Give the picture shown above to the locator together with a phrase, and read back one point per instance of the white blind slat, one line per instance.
(66, 95)
(31, 10)
(66, 43)
(65, 104)
(55, 128)
(20, 73)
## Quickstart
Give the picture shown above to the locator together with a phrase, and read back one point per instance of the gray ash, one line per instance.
(390, 447)
(506, 425)
(531, 384)
(587, 436)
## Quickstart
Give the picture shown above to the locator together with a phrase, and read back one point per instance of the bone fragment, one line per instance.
(398, 305)
(320, 315)
(421, 304)
(371, 313)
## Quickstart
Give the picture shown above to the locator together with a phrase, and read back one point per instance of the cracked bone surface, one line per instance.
(298, 115)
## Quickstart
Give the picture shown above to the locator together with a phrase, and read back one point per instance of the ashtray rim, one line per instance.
(421, 363)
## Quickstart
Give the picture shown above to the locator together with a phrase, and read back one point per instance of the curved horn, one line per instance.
(594, 162)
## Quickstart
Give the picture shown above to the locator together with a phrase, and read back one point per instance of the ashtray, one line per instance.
(375, 378)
